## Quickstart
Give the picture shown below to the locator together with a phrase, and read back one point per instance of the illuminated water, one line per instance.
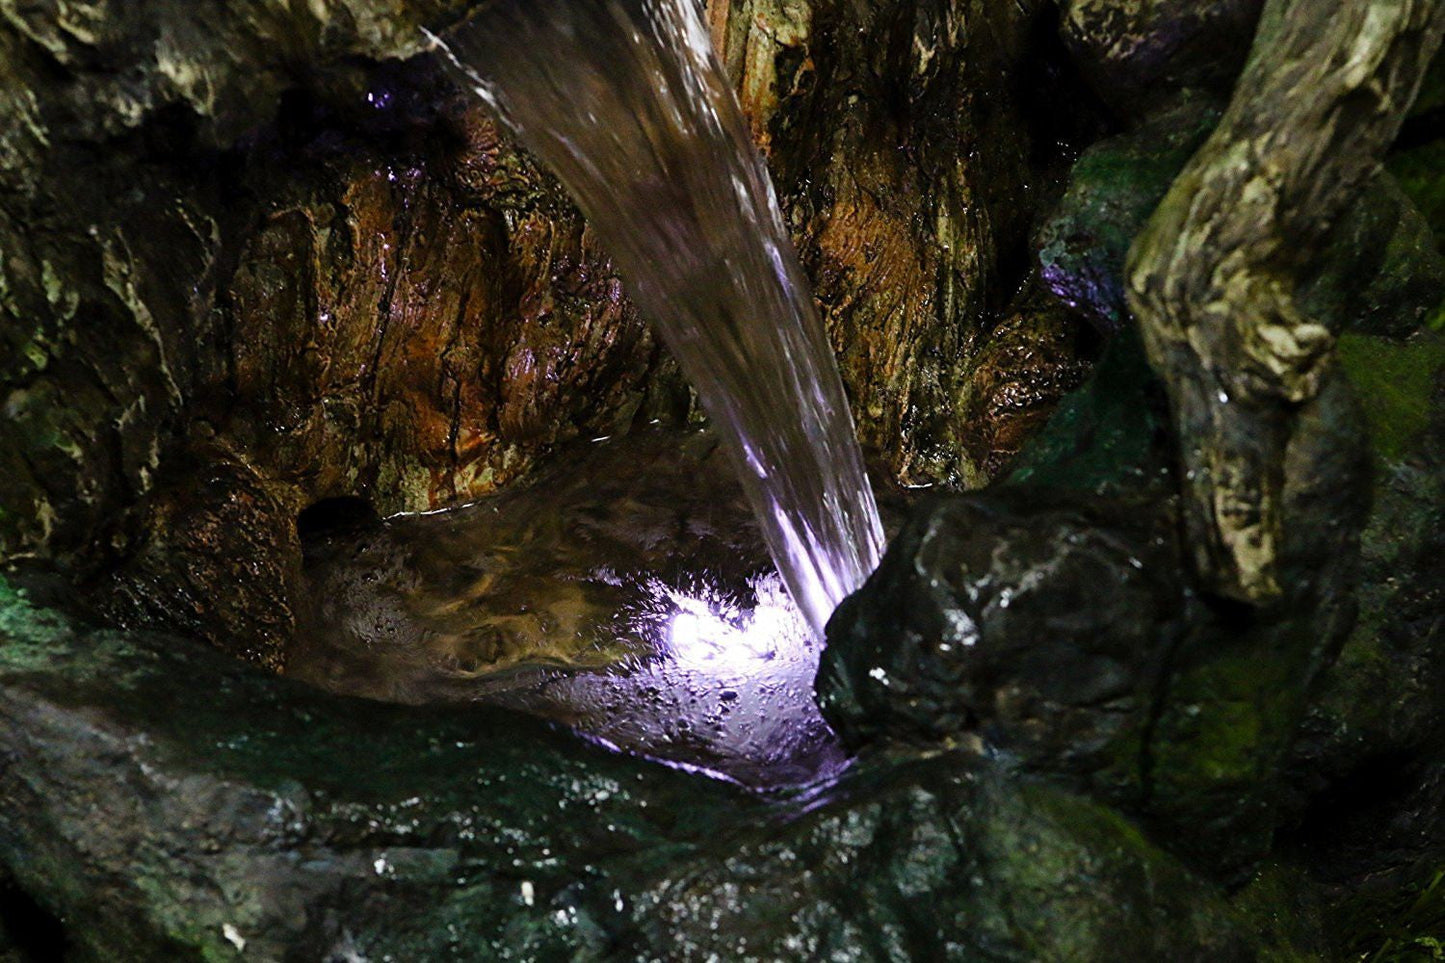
(626, 102)
(626, 593)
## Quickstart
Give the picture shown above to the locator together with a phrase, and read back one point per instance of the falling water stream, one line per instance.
(627, 103)
(625, 592)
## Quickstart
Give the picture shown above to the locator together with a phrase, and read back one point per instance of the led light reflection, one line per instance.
(706, 631)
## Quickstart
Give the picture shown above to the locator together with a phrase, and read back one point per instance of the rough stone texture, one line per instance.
(1056, 627)
(1213, 276)
(241, 599)
(174, 822)
(113, 235)
(1141, 54)
(1113, 188)
(1038, 352)
(1366, 774)
(418, 325)
(347, 284)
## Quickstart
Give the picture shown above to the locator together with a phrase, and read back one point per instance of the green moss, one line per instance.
(1285, 909)
(1104, 438)
(1395, 381)
(1399, 924)
(1225, 723)
(1113, 189)
(1421, 173)
(22, 625)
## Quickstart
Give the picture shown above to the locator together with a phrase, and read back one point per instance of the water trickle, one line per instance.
(626, 102)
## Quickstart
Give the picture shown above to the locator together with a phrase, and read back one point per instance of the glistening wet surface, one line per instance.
(627, 103)
(627, 593)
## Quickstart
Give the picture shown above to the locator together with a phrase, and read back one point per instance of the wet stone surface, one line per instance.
(626, 593)
(179, 822)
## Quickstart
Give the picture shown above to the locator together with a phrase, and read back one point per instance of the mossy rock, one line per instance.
(1381, 699)
(167, 802)
(1113, 189)
(1381, 272)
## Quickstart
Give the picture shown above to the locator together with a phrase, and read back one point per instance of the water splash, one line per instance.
(624, 592)
(626, 102)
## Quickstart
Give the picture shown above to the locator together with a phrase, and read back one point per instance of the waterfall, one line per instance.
(627, 103)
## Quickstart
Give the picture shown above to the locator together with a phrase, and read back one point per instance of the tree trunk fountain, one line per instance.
(374, 582)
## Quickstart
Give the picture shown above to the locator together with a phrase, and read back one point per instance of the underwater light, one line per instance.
(703, 630)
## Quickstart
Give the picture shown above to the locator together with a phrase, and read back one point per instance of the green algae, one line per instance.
(1105, 438)
(1395, 381)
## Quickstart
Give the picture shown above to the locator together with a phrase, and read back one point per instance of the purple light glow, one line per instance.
(707, 633)
(727, 688)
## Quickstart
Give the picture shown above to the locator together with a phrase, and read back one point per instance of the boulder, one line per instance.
(241, 814)
(1055, 625)
(1139, 54)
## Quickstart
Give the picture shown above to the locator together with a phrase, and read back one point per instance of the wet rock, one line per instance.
(1040, 627)
(1113, 188)
(354, 289)
(285, 236)
(1053, 627)
(196, 816)
(1024, 865)
(1036, 355)
(912, 152)
(115, 211)
(189, 821)
(220, 562)
(423, 327)
(1109, 438)
(1139, 54)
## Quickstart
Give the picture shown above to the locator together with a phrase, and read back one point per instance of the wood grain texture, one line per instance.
(1212, 277)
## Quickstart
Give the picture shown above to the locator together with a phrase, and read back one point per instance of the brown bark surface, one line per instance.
(277, 239)
(1212, 279)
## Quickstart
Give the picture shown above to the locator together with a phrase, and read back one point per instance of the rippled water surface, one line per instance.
(627, 593)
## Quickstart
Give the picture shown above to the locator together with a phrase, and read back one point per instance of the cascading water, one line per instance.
(627, 103)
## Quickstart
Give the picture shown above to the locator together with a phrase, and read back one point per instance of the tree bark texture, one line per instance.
(273, 240)
(1213, 277)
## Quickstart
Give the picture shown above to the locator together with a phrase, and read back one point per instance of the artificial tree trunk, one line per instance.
(1214, 277)
(283, 261)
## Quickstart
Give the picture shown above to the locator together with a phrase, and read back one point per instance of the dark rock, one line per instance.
(1110, 438)
(912, 150)
(987, 868)
(1033, 358)
(1114, 187)
(113, 222)
(221, 562)
(1054, 627)
(1382, 271)
(1139, 54)
(1038, 623)
(183, 821)
(1381, 703)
